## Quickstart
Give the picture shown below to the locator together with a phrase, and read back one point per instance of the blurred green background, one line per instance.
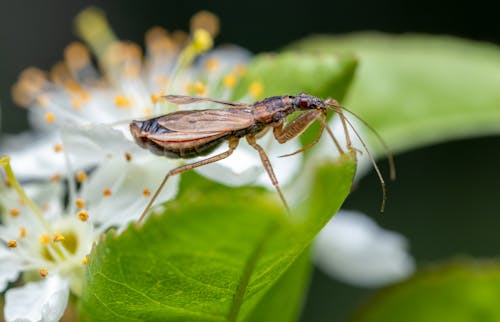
(446, 197)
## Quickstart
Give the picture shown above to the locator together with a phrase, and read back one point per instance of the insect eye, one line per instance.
(303, 103)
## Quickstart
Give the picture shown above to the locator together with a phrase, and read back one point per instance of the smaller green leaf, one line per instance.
(461, 291)
(420, 89)
(322, 75)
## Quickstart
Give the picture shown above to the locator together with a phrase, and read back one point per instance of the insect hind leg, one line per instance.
(269, 169)
(233, 143)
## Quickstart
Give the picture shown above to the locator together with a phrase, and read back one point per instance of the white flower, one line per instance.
(45, 239)
(74, 94)
(354, 249)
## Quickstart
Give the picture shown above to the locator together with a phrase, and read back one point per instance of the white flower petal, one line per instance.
(228, 55)
(49, 196)
(37, 301)
(127, 181)
(32, 154)
(354, 249)
(91, 144)
(10, 268)
(245, 167)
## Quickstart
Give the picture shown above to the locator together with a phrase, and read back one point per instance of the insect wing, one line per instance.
(222, 120)
(183, 100)
(184, 137)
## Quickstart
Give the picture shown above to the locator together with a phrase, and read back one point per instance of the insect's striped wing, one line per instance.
(200, 121)
(183, 100)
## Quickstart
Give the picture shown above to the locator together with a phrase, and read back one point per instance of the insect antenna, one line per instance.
(390, 157)
(337, 108)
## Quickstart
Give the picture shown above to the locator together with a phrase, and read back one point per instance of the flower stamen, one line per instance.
(12, 243)
(14, 212)
(50, 117)
(44, 239)
(43, 272)
(58, 237)
(5, 163)
(256, 89)
(80, 203)
(81, 176)
(23, 232)
(85, 260)
(58, 148)
(83, 215)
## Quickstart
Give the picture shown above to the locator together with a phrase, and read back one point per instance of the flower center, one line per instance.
(69, 243)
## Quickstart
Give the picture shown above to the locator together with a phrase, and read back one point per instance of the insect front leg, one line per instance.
(268, 166)
(233, 143)
(298, 126)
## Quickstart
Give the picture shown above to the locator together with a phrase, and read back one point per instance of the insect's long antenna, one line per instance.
(337, 108)
(372, 161)
(390, 157)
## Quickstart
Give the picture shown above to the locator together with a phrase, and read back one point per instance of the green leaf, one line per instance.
(284, 300)
(214, 254)
(417, 89)
(323, 75)
(460, 292)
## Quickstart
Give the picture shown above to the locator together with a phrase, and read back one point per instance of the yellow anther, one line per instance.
(30, 84)
(44, 239)
(106, 192)
(146, 192)
(202, 41)
(83, 215)
(12, 243)
(80, 203)
(58, 237)
(180, 38)
(148, 111)
(76, 103)
(7, 182)
(42, 100)
(229, 81)
(14, 212)
(50, 117)
(207, 21)
(256, 89)
(76, 55)
(23, 232)
(81, 176)
(155, 98)
(85, 260)
(199, 88)
(128, 156)
(55, 177)
(240, 70)
(122, 101)
(43, 272)
(58, 148)
(212, 64)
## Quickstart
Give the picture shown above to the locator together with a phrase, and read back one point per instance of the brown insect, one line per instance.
(188, 134)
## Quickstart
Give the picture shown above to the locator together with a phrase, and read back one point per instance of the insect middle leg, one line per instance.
(267, 165)
(233, 143)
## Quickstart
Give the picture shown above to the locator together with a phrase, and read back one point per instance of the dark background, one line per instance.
(445, 199)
